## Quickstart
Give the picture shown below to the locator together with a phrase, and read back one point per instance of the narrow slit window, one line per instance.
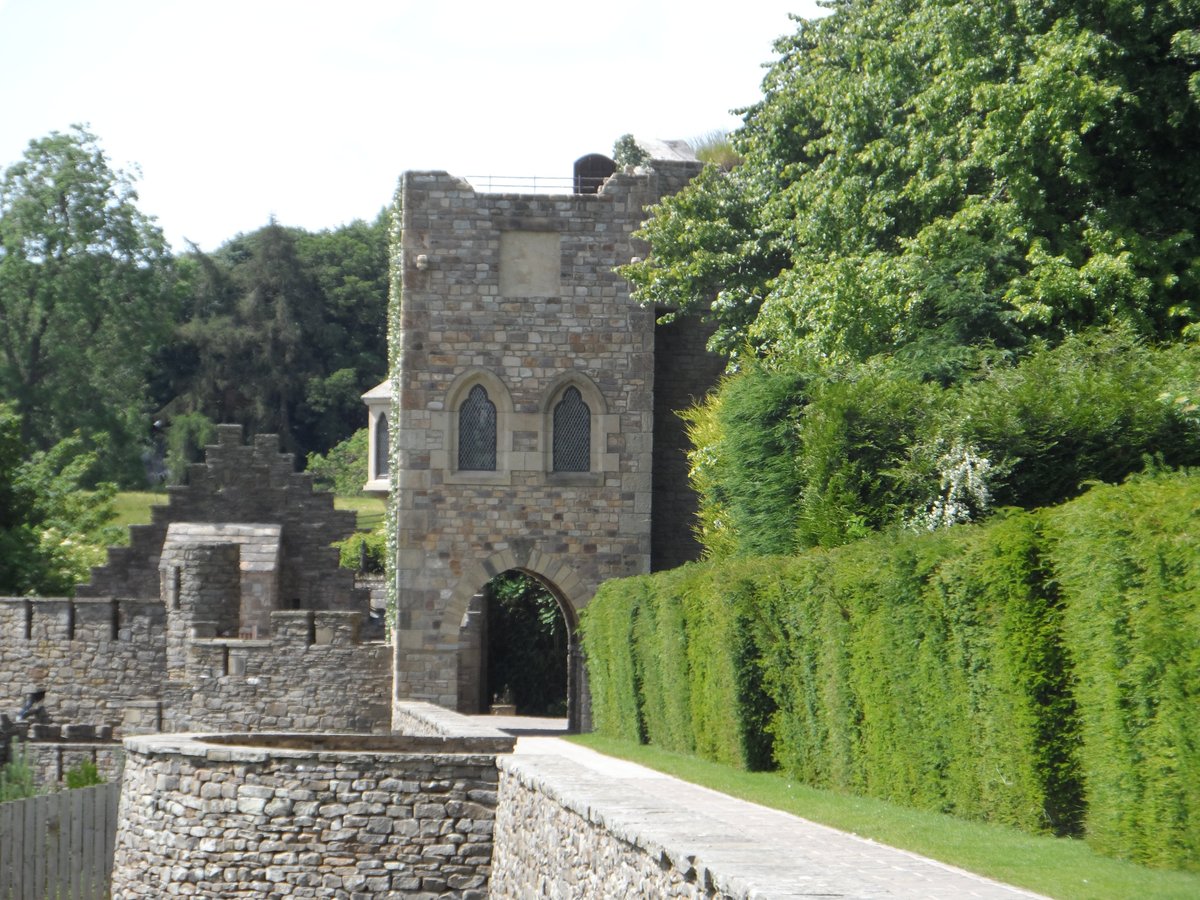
(572, 433)
(477, 432)
(382, 447)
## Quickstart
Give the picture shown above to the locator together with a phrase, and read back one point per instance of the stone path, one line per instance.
(769, 853)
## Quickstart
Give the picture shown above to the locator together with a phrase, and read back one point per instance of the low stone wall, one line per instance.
(52, 761)
(306, 815)
(313, 674)
(559, 834)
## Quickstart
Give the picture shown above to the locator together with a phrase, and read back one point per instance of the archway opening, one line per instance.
(516, 649)
(528, 638)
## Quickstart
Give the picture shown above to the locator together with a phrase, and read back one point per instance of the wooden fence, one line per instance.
(59, 846)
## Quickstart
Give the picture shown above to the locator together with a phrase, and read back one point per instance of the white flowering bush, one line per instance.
(964, 496)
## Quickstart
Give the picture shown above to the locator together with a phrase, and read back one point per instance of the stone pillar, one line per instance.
(202, 593)
(472, 657)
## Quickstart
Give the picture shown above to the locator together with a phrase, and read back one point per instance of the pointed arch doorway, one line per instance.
(518, 647)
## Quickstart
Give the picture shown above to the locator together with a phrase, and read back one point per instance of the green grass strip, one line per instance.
(1056, 867)
(133, 508)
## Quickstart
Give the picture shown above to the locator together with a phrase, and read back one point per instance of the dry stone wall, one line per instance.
(329, 816)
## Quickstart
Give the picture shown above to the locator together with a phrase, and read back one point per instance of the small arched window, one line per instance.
(572, 433)
(477, 432)
(382, 447)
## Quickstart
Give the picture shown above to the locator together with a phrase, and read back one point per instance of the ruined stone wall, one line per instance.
(323, 816)
(313, 674)
(90, 656)
(517, 294)
(239, 483)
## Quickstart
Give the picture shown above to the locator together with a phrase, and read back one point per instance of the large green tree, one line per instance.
(924, 176)
(85, 298)
(282, 331)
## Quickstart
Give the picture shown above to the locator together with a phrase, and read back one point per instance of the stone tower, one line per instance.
(525, 408)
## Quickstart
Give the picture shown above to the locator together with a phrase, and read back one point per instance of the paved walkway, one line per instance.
(770, 853)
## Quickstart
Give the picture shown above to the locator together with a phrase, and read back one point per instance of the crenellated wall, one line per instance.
(91, 656)
(313, 674)
(228, 611)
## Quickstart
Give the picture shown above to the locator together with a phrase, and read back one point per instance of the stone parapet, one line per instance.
(298, 815)
(560, 833)
(90, 656)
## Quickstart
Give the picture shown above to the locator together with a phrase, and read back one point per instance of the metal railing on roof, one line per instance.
(534, 184)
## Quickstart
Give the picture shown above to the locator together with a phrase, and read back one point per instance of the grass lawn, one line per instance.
(133, 508)
(1056, 867)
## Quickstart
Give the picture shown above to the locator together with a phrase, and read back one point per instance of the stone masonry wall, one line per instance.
(556, 837)
(323, 816)
(312, 675)
(102, 662)
(90, 656)
(239, 483)
(516, 293)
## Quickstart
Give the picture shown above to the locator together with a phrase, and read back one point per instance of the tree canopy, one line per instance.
(281, 330)
(85, 298)
(51, 531)
(926, 176)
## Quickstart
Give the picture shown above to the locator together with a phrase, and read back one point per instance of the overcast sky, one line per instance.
(237, 110)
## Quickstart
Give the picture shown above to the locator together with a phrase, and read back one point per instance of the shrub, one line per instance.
(343, 469)
(83, 775)
(1128, 561)
(1040, 670)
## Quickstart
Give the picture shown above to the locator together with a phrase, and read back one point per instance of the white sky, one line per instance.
(237, 110)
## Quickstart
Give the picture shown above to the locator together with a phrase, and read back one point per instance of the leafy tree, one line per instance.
(51, 531)
(787, 457)
(85, 297)
(284, 331)
(343, 469)
(925, 176)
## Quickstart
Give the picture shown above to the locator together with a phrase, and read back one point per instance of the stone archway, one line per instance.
(519, 632)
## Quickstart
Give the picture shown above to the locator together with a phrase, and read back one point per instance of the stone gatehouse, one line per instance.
(529, 422)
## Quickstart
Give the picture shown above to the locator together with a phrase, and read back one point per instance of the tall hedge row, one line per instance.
(1042, 670)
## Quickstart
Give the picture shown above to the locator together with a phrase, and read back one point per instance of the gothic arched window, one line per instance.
(477, 432)
(572, 433)
(382, 463)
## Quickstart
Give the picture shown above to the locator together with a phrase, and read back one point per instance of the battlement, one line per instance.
(314, 673)
(79, 619)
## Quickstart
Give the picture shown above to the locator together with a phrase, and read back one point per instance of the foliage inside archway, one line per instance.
(527, 646)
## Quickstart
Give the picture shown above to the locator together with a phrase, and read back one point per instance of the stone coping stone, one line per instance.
(608, 803)
(263, 746)
(451, 724)
(234, 642)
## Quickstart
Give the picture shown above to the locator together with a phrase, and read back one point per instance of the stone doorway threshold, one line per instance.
(520, 726)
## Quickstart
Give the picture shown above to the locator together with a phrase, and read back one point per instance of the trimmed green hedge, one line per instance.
(1042, 670)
